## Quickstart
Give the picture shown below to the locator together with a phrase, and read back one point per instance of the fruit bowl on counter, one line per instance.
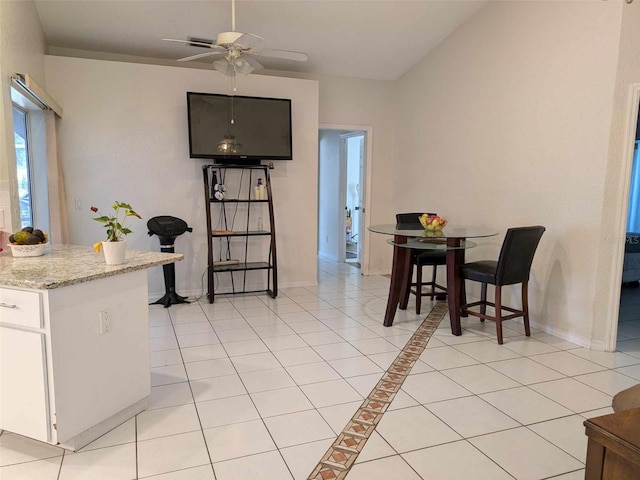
(27, 250)
(28, 242)
(432, 222)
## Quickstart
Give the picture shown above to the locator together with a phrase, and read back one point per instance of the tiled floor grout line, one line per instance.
(365, 325)
(335, 281)
(60, 468)
(262, 419)
(341, 456)
(345, 379)
(193, 397)
(135, 436)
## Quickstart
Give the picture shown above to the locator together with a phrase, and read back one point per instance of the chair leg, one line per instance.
(418, 288)
(483, 299)
(433, 282)
(463, 298)
(499, 313)
(525, 308)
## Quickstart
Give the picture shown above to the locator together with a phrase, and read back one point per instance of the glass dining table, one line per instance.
(453, 239)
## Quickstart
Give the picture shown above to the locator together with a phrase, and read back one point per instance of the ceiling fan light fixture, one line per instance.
(243, 67)
(223, 66)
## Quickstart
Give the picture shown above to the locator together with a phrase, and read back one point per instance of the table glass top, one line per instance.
(450, 231)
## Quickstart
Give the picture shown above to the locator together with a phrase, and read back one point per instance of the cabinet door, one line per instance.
(24, 404)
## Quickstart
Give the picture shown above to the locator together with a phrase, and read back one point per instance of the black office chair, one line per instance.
(422, 258)
(513, 266)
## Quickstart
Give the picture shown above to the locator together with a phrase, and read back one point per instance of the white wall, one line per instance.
(507, 123)
(124, 137)
(21, 51)
(353, 102)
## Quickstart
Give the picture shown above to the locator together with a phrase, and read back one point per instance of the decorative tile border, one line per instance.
(338, 460)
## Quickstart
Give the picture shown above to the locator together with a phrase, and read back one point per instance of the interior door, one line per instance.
(354, 147)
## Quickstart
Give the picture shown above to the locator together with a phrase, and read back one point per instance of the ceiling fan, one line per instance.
(236, 50)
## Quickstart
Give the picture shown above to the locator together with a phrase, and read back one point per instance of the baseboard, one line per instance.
(564, 335)
(379, 272)
(105, 426)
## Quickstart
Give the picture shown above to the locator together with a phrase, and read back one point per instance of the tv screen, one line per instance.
(234, 128)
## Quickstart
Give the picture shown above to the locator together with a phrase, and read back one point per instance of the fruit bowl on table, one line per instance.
(433, 234)
(432, 222)
(27, 250)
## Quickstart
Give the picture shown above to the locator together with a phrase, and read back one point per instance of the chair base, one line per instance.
(417, 288)
(432, 293)
(515, 313)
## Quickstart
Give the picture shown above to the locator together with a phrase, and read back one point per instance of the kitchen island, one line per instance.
(74, 343)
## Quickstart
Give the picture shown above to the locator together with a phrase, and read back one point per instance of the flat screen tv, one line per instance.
(238, 129)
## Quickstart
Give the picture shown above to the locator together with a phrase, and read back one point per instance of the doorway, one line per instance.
(628, 328)
(344, 152)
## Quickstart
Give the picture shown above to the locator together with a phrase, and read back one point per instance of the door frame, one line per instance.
(365, 193)
(613, 300)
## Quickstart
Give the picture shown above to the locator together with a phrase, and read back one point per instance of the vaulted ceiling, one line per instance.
(372, 39)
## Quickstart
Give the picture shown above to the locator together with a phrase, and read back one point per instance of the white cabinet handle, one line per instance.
(7, 305)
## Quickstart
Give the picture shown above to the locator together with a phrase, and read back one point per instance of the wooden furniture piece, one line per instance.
(512, 267)
(626, 399)
(74, 343)
(452, 239)
(420, 259)
(613, 449)
(241, 229)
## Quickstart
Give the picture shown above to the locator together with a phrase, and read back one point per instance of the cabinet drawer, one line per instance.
(21, 308)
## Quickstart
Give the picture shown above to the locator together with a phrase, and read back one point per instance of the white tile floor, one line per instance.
(256, 388)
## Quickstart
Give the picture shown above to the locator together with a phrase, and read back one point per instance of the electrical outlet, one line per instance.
(78, 203)
(105, 321)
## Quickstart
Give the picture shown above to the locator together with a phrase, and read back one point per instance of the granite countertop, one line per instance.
(63, 265)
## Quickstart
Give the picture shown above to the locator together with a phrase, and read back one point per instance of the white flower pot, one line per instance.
(114, 252)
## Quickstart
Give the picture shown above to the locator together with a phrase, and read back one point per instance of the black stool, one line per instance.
(167, 229)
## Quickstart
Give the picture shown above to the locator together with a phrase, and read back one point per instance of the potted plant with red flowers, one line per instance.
(115, 245)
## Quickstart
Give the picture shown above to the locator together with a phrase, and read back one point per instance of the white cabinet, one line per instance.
(63, 379)
(24, 383)
(20, 308)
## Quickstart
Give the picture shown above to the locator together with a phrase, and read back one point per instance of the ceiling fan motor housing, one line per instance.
(228, 38)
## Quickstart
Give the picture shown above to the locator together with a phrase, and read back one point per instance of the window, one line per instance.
(23, 165)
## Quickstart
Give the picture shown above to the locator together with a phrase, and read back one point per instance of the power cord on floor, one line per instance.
(197, 299)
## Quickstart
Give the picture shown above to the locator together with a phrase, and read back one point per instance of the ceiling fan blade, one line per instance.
(285, 54)
(239, 39)
(253, 62)
(200, 55)
(248, 40)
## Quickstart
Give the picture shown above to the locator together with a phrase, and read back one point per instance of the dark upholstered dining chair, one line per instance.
(512, 267)
(422, 258)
